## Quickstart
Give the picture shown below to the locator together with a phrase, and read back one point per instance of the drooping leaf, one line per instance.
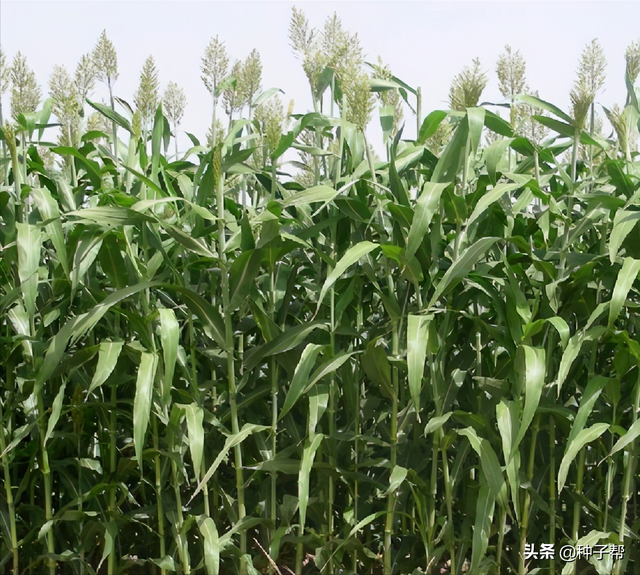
(350, 257)
(461, 267)
(29, 241)
(426, 207)
(108, 355)
(306, 464)
(195, 430)
(300, 377)
(417, 339)
(142, 401)
(585, 436)
(627, 275)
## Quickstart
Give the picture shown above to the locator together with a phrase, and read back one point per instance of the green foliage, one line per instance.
(422, 363)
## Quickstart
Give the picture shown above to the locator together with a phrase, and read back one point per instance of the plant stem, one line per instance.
(629, 470)
(231, 374)
(552, 490)
(111, 560)
(159, 492)
(391, 499)
(9, 495)
(524, 525)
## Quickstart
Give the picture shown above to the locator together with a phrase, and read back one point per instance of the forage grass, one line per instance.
(422, 364)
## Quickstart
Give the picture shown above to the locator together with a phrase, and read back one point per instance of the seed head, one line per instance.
(105, 60)
(592, 65)
(305, 46)
(511, 70)
(467, 87)
(85, 77)
(235, 95)
(174, 102)
(146, 97)
(62, 91)
(582, 97)
(25, 92)
(632, 57)
(5, 73)
(251, 75)
(360, 101)
(617, 120)
(270, 116)
(219, 134)
(214, 65)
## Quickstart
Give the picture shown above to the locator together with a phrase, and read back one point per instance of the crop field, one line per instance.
(286, 350)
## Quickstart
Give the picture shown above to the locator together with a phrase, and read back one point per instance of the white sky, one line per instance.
(425, 43)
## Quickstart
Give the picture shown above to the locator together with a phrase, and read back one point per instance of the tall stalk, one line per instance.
(526, 507)
(628, 479)
(228, 326)
(9, 495)
(393, 449)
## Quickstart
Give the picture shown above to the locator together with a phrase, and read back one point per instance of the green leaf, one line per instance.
(111, 115)
(485, 506)
(585, 436)
(242, 274)
(507, 417)
(195, 416)
(632, 433)
(534, 372)
(417, 339)
(436, 423)
(623, 223)
(461, 267)
(396, 479)
(56, 409)
(627, 275)
(351, 256)
(377, 367)
(283, 342)
(489, 198)
(492, 156)
(50, 213)
(208, 530)
(142, 401)
(211, 319)
(453, 155)
(568, 357)
(90, 166)
(353, 208)
(29, 242)
(387, 118)
(108, 354)
(320, 193)
(192, 244)
(427, 206)
(561, 327)
(475, 119)
(587, 401)
(110, 216)
(430, 125)
(78, 326)
(306, 464)
(170, 337)
(110, 534)
(543, 105)
(300, 377)
(156, 141)
(488, 462)
(231, 441)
